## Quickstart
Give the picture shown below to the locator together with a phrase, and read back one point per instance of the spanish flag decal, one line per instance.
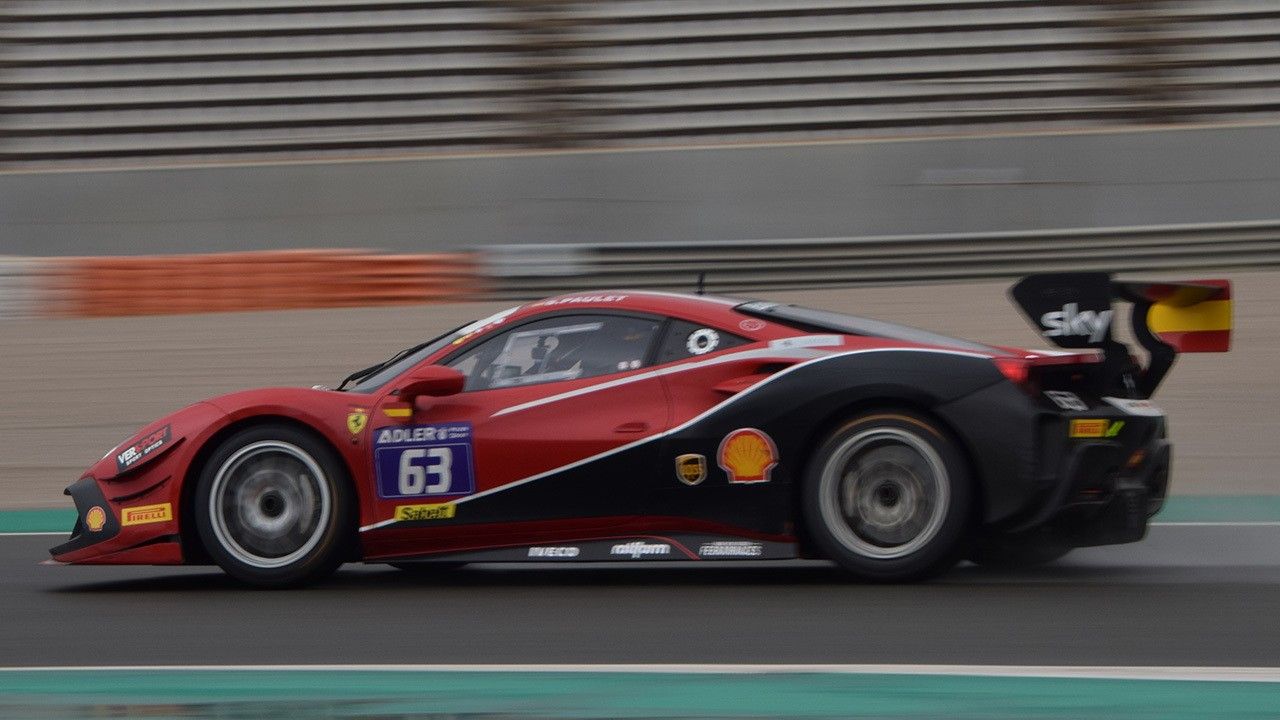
(1193, 318)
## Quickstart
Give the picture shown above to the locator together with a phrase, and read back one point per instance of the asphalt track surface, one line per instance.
(1203, 595)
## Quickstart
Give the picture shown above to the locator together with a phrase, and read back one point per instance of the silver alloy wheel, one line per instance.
(884, 493)
(269, 504)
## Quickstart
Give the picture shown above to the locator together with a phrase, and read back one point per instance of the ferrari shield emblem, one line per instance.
(691, 469)
(356, 421)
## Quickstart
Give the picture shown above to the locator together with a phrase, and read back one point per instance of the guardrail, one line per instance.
(524, 271)
(19, 286)
(230, 282)
(271, 280)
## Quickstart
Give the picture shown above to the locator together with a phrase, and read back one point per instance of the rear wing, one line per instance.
(1074, 311)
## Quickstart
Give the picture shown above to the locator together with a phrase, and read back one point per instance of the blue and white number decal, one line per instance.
(422, 461)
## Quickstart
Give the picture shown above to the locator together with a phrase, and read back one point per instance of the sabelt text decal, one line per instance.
(146, 514)
(748, 455)
(144, 446)
(639, 548)
(443, 511)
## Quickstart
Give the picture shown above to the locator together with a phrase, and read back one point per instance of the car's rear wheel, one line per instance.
(273, 507)
(887, 496)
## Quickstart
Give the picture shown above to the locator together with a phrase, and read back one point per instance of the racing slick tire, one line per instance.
(274, 507)
(887, 496)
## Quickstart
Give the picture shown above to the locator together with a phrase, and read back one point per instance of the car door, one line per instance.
(551, 438)
(703, 367)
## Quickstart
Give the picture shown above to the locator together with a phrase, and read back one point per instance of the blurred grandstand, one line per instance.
(160, 81)
(1074, 134)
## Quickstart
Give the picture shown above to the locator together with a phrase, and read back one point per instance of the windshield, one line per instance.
(826, 321)
(376, 376)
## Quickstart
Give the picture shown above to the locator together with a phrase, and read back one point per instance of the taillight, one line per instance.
(1017, 370)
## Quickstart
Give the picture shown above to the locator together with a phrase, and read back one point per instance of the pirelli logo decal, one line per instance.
(1099, 428)
(146, 514)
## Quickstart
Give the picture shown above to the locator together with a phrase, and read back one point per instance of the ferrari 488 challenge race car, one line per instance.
(639, 426)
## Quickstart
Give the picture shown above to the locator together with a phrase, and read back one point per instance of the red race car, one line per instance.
(639, 426)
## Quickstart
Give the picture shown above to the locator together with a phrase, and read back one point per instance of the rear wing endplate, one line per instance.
(1074, 311)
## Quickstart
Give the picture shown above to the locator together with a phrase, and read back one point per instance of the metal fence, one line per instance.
(525, 271)
(127, 81)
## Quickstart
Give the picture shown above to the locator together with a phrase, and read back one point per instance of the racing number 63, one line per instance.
(413, 478)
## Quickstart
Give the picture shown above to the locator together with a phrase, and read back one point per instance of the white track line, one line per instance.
(1097, 672)
(1243, 523)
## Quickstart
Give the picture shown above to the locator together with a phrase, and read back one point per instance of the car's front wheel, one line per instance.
(887, 496)
(273, 507)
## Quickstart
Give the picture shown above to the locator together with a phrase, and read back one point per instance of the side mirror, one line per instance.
(433, 380)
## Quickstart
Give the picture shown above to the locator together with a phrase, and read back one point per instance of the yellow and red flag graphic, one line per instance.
(1192, 319)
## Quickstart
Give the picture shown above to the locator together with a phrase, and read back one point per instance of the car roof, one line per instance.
(712, 309)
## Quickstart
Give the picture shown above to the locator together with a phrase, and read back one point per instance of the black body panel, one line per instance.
(87, 495)
(1030, 471)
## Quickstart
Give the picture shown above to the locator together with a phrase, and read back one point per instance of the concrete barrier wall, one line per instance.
(1110, 179)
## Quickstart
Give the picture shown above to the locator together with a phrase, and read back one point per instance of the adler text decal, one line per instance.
(424, 461)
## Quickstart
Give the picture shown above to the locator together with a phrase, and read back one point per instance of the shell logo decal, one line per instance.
(95, 518)
(748, 455)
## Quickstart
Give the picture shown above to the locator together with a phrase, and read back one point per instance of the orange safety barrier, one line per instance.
(268, 280)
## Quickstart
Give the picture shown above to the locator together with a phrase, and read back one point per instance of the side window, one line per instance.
(686, 340)
(561, 348)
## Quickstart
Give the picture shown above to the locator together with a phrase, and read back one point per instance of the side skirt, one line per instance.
(622, 549)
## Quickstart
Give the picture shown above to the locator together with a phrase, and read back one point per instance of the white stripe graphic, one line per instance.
(1098, 672)
(658, 436)
(761, 353)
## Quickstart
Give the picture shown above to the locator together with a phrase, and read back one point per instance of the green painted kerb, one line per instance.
(1220, 508)
(340, 694)
(37, 520)
(1180, 508)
